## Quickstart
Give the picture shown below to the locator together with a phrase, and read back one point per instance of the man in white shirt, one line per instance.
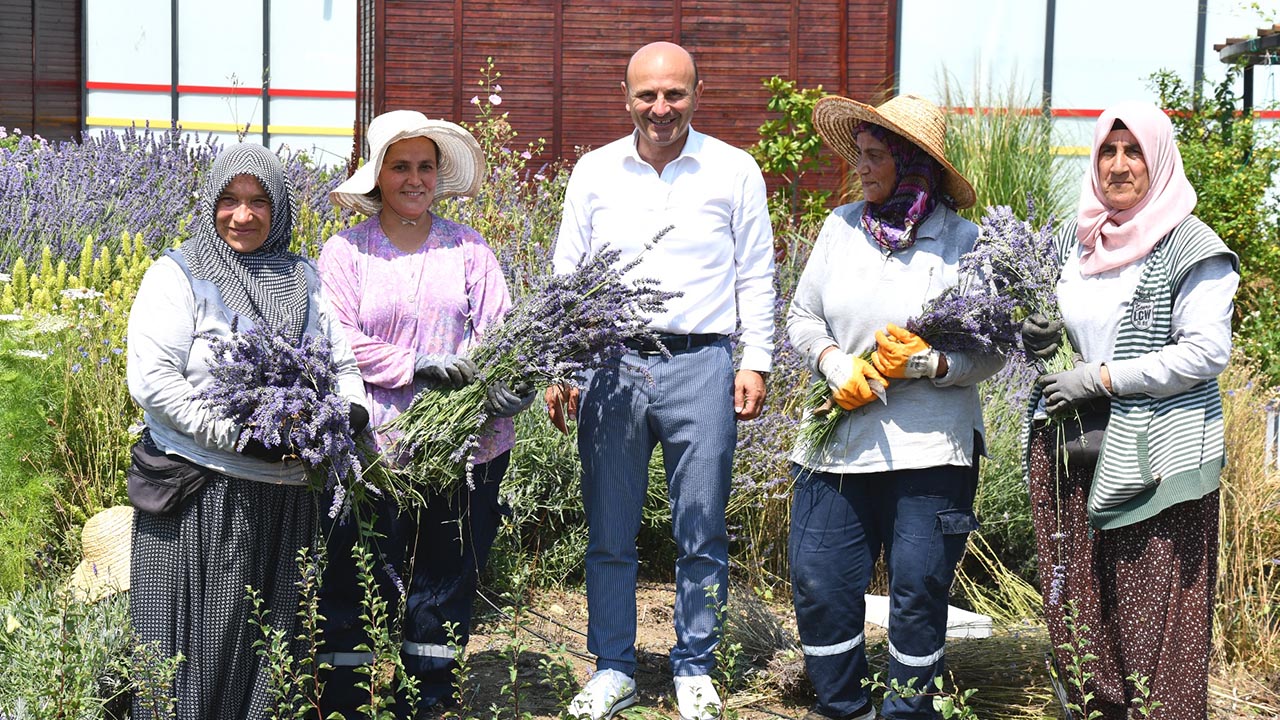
(719, 255)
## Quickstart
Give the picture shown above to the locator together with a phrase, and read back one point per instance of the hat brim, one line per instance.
(91, 582)
(462, 167)
(835, 118)
(106, 541)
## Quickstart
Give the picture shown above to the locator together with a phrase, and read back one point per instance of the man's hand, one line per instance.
(748, 394)
(562, 406)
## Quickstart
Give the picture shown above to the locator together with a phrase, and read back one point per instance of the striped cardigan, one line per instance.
(1157, 452)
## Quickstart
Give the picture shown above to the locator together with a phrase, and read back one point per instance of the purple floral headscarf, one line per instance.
(893, 222)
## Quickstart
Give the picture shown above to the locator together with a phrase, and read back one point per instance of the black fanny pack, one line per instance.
(1080, 442)
(159, 483)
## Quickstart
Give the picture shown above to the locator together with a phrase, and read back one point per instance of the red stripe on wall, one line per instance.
(220, 90)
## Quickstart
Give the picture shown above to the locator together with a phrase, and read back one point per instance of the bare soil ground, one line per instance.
(1008, 670)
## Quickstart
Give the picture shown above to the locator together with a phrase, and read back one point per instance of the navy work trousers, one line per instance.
(839, 524)
(431, 560)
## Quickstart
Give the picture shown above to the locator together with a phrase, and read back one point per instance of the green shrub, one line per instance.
(788, 148)
(57, 654)
(1230, 160)
(27, 395)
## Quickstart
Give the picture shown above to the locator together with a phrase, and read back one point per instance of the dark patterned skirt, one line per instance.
(1142, 594)
(188, 577)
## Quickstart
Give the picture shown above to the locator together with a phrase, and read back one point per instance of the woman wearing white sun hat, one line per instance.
(899, 475)
(413, 291)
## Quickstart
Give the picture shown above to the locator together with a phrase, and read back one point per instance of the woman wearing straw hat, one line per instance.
(899, 474)
(412, 291)
(254, 512)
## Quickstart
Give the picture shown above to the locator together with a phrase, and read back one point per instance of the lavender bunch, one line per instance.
(1011, 272)
(285, 395)
(563, 327)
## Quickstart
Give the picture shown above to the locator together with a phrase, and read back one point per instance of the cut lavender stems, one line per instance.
(286, 395)
(563, 327)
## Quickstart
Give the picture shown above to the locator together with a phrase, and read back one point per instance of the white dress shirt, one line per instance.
(718, 253)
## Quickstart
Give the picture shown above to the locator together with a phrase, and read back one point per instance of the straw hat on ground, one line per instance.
(910, 116)
(462, 164)
(105, 541)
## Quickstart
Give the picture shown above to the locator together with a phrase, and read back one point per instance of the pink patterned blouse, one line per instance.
(394, 305)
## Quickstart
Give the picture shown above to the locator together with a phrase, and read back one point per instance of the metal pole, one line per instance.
(173, 63)
(1197, 85)
(1046, 79)
(266, 73)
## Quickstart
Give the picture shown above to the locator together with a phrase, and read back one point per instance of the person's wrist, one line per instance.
(1105, 376)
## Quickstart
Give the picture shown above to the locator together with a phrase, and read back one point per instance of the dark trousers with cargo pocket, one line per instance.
(427, 561)
(839, 524)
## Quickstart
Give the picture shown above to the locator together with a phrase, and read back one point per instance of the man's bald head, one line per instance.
(662, 54)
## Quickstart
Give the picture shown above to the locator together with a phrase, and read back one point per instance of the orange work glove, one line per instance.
(852, 380)
(903, 354)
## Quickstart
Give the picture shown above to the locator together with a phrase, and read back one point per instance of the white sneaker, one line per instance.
(607, 692)
(697, 698)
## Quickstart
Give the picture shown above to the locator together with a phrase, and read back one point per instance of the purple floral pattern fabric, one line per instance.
(395, 304)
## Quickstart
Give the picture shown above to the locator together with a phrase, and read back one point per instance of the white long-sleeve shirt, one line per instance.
(848, 290)
(171, 328)
(718, 253)
(1093, 305)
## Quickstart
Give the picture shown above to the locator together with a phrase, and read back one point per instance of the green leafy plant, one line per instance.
(949, 702)
(1230, 159)
(788, 148)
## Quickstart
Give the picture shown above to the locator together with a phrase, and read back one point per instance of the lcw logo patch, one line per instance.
(1142, 314)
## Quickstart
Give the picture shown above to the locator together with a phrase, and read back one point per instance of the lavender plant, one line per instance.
(286, 395)
(566, 325)
(138, 180)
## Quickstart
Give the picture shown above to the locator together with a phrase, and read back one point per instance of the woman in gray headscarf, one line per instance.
(247, 523)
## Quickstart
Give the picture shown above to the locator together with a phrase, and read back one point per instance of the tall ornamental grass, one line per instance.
(1002, 142)
(1247, 616)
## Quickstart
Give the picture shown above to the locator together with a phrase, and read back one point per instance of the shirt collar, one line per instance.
(692, 147)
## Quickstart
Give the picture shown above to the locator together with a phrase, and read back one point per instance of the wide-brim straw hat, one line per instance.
(462, 164)
(910, 116)
(105, 541)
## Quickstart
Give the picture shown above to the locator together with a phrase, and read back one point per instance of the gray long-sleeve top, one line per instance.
(1093, 305)
(848, 290)
(169, 357)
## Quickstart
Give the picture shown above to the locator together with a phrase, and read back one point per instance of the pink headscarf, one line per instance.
(1114, 238)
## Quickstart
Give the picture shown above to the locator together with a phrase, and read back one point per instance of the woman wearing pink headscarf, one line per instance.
(1127, 523)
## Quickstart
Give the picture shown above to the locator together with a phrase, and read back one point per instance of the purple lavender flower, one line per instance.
(1056, 584)
(286, 395)
(564, 326)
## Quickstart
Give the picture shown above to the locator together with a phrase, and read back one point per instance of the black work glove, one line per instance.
(357, 418)
(1070, 389)
(444, 370)
(254, 448)
(505, 402)
(1041, 336)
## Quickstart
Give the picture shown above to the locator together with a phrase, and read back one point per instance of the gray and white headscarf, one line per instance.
(268, 285)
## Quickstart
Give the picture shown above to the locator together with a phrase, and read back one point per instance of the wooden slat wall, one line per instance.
(40, 69)
(17, 106)
(562, 60)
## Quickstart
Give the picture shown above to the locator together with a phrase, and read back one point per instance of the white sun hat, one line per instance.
(462, 165)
